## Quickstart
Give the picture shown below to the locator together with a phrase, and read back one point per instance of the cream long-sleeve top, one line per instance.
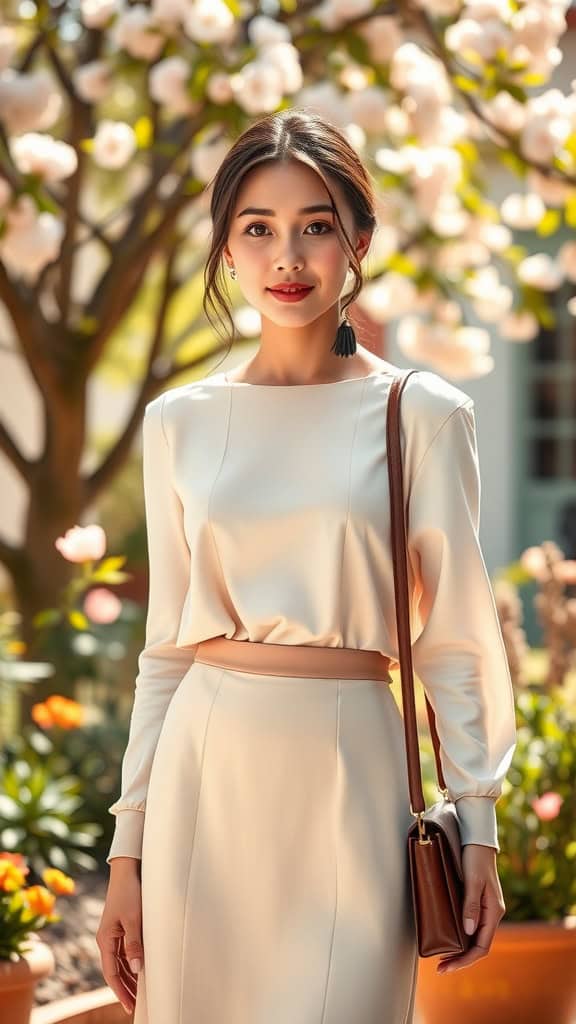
(268, 519)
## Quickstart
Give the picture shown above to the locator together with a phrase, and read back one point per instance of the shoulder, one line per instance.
(431, 399)
(428, 403)
(171, 403)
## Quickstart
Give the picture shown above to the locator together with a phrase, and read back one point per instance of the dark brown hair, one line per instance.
(291, 134)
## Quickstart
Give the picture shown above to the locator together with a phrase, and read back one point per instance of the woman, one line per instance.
(258, 868)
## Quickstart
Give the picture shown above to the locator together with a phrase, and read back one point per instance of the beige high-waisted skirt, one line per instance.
(275, 887)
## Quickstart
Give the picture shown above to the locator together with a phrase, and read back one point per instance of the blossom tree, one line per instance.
(114, 117)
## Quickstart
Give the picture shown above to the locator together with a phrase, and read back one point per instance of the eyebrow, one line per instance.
(321, 208)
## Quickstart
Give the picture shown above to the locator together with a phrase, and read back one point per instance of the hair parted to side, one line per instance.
(291, 134)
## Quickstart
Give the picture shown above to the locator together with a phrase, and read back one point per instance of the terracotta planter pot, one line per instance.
(99, 1006)
(18, 979)
(528, 977)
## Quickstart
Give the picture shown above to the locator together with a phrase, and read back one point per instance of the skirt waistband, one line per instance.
(293, 659)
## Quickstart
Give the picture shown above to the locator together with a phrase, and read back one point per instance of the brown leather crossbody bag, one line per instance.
(434, 842)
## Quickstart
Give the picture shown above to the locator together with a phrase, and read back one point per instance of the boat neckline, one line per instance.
(323, 384)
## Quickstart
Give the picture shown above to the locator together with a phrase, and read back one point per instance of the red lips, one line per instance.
(292, 288)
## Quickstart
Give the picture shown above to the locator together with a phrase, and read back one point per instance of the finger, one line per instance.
(111, 970)
(482, 943)
(128, 978)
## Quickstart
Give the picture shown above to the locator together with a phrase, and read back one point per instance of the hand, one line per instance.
(483, 904)
(119, 936)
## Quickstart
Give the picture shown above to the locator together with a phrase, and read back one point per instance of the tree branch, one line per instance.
(10, 556)
(13, 453)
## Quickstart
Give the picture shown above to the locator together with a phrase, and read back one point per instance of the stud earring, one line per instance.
(345, 341)
(232, 272)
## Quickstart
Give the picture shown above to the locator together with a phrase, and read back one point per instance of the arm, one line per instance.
(459, 655)
(161, 665)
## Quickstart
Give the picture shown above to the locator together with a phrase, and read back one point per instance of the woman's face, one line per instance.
(280, 243)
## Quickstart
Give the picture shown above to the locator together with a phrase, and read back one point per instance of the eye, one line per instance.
(316, 223)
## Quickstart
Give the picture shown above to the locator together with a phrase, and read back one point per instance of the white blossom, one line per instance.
(209, 21)
(326, 99)
(457, 256)
(446, 311)
(8, 44)
(387, 298)
(383, 36)
(553, 191)
(522, 211)
(206, 157)
(218, 88)
(114, 144)
(521, 326)
(449, 218)
(138, 34)
(367, 108)
(28, 102)
(547, 126)
(505, 112)
(97, 13)
(31, 239)
(262, 31)
(540, 271)
(538, 27)
(491, 299)
(168, 80)
(168, 13)
(44, 156)
(496, 236)
(285, 59)
(471, 38)
(92, 80)
(258, 87)
(459, 352)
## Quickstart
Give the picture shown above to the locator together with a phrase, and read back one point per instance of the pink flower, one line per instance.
(101, 605)
(82, 543)
(547, 806)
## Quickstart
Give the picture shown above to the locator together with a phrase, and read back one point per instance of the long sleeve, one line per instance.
(459, 655)
(161, 665)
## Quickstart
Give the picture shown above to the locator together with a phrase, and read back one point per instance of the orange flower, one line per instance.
(12, 877)
(68, 714)
(41, 715)
(58, 882)
(58, 710)
(39, 899)
(15, 858)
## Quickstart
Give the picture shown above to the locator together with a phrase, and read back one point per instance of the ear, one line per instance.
(363, 244)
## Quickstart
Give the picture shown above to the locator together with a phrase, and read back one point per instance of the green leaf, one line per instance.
(570, 210)
(47, 617)
(402, 264)
(9, 809)
(78, 620)
(143, 132)
(466, 84)
(549, 223)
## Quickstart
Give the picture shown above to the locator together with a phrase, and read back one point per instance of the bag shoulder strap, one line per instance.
(398, 513)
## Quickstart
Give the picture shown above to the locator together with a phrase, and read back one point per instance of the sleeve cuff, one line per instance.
(128, 832)
(477, 820)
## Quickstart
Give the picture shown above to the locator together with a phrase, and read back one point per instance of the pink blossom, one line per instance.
(101, 605)
(547, 806)
(82, 543)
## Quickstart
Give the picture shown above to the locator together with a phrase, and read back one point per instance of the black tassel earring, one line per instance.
(345, 342)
